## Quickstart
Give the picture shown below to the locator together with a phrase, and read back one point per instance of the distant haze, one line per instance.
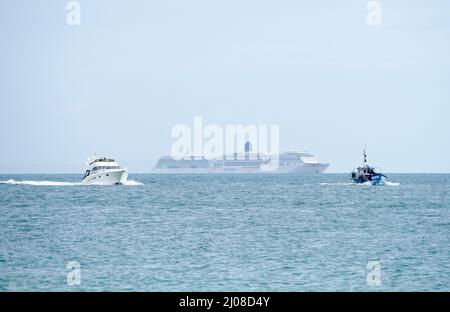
(117, 84)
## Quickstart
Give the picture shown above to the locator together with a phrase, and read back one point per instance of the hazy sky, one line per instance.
(119, 82)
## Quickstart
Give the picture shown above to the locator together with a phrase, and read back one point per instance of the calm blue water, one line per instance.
(225, 232)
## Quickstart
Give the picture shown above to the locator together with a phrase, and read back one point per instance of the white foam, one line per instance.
(40, 183)
(385, 183)
(57, 183)
(337, 184)
(132, 183)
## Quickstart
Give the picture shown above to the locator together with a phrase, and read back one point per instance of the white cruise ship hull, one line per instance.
(181, 170)
(281, 169)
(112, 177)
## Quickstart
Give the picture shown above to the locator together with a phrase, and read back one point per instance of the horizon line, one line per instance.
(214, 173)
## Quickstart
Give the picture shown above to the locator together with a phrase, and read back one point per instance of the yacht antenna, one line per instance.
(365, 158)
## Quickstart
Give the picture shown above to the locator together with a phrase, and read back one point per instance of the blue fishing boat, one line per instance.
(367, 174)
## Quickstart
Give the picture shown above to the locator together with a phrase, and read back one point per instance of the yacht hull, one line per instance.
(106, 178)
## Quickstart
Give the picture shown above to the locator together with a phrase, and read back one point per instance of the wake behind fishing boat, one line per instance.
(105, 171)
(367, 174)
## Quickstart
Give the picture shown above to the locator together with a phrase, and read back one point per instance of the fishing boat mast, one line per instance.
(365, 158)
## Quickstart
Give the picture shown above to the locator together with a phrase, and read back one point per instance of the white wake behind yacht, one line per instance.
(105, 171)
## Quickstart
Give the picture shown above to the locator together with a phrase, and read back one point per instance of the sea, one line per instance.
(228, 232)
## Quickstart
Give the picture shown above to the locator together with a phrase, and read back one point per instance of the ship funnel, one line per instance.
(248, 147)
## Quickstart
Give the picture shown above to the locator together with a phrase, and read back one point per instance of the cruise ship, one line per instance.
(289, 162)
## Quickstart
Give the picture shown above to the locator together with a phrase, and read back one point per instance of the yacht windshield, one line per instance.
(105, 168)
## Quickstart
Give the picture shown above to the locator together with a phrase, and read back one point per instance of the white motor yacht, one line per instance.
(105, 171)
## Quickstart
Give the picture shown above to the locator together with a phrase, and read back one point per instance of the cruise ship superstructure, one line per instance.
(289, 162)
